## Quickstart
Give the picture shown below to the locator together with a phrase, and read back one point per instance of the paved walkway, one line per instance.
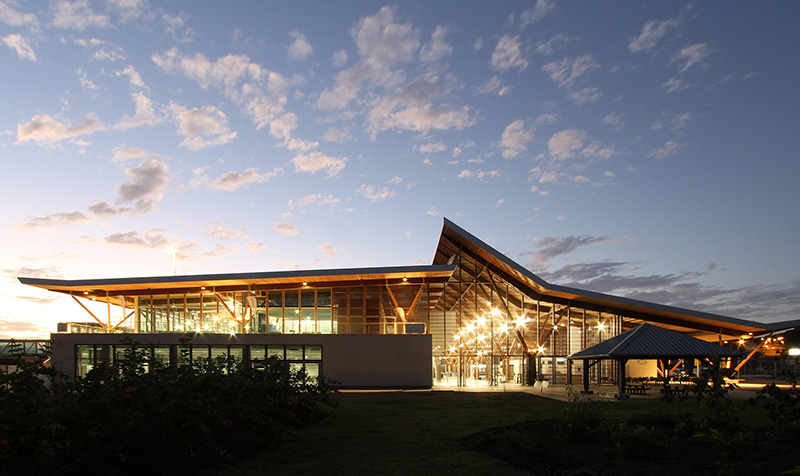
(603, 392)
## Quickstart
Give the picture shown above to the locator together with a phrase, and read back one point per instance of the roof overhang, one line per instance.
(99, 288)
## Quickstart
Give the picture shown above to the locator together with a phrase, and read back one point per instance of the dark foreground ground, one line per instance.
(401, 433)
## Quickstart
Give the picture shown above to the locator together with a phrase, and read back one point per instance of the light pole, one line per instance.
(171, 250)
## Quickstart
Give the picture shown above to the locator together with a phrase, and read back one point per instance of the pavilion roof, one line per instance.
(648, 341)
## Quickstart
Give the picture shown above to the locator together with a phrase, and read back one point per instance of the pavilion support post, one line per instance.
(531, 362)
(621, 379)
(569, 371)
(586, 390)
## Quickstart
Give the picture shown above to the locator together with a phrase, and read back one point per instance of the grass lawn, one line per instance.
(401, 433)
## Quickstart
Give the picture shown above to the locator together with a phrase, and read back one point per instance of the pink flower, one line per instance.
(4, 446)
(130, 392)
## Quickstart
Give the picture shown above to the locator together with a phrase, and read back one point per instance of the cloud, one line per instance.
(202, 127)
(233, 180)
(335, 134)
(382, 43)
(508, 54)
(674, 122)
(145, 114)
(339, 58)
(144, 190)
(566, 71)
(692, 55)
(287, 229)
(17, 43)
(317, 161)
(432, 147)
(478, 174)
(122, 154)
(375, 195)
(585, 95)
(515, 138)
(260, 92)
(300, 48)
(45, 129)
(613, 119)
(174, 25)
(494, 84)
(539, 11)
(652, 32)
(12, 17)
(670, 148)
(675, 84)
(328, 252)
(432, 211)
(256, 246)
(220, 233)
(564, 144)
(133, 77)
(437, 48)
(549, 247)
(313, 199)
(153, 238)
(53, 220)
(77, 16)
(555, 44)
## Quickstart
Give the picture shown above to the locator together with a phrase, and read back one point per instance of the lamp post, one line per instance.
(171, 250)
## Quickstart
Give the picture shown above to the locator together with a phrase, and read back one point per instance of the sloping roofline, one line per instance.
(454, 238)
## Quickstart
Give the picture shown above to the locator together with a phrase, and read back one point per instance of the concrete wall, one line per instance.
(353, 360)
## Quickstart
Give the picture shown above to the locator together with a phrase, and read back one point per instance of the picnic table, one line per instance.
(674, 391)
(636, 389)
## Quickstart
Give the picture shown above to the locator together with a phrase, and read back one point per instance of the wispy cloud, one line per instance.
(300, 48)
(77, 15)
(508, 54)
(567, 70)
(652, 33)
(202, 127)
(669, 148)
(45, 129)
(18, 43)
(231, 181)
(316, 161)
(287, 229)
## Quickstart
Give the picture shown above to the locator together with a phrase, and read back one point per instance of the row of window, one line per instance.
(305, 357)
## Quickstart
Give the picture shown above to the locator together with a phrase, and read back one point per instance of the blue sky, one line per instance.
(640, 149)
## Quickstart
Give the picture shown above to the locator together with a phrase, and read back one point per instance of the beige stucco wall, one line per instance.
(353, 360)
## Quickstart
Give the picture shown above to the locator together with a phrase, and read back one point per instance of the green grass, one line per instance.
(401, 433)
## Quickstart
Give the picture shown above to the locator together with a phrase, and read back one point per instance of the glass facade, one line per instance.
(299, 357)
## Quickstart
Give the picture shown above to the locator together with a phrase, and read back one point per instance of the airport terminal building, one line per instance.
(472, 317)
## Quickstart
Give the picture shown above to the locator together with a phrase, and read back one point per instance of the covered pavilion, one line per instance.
(650, 342)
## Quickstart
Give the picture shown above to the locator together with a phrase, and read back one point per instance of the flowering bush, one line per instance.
(145, 417)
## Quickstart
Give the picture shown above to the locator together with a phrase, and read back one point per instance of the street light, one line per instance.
(171, 250)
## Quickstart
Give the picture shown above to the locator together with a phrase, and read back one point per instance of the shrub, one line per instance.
(145, 417)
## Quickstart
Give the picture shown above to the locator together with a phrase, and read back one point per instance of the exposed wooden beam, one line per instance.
(90, 313)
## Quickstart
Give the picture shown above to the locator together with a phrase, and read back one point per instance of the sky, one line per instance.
(641, 149)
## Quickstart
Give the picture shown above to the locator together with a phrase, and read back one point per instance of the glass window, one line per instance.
(276, 299)
(312, 370)
(324, 321)
(219, 351)
(161, 354)
(307, 298)
(275, 351)
(313, 352)
(294, 352)
(307, 321)
(258, 352)
(323, 298)
(276, 320)
(291, 321)
(291, 298)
